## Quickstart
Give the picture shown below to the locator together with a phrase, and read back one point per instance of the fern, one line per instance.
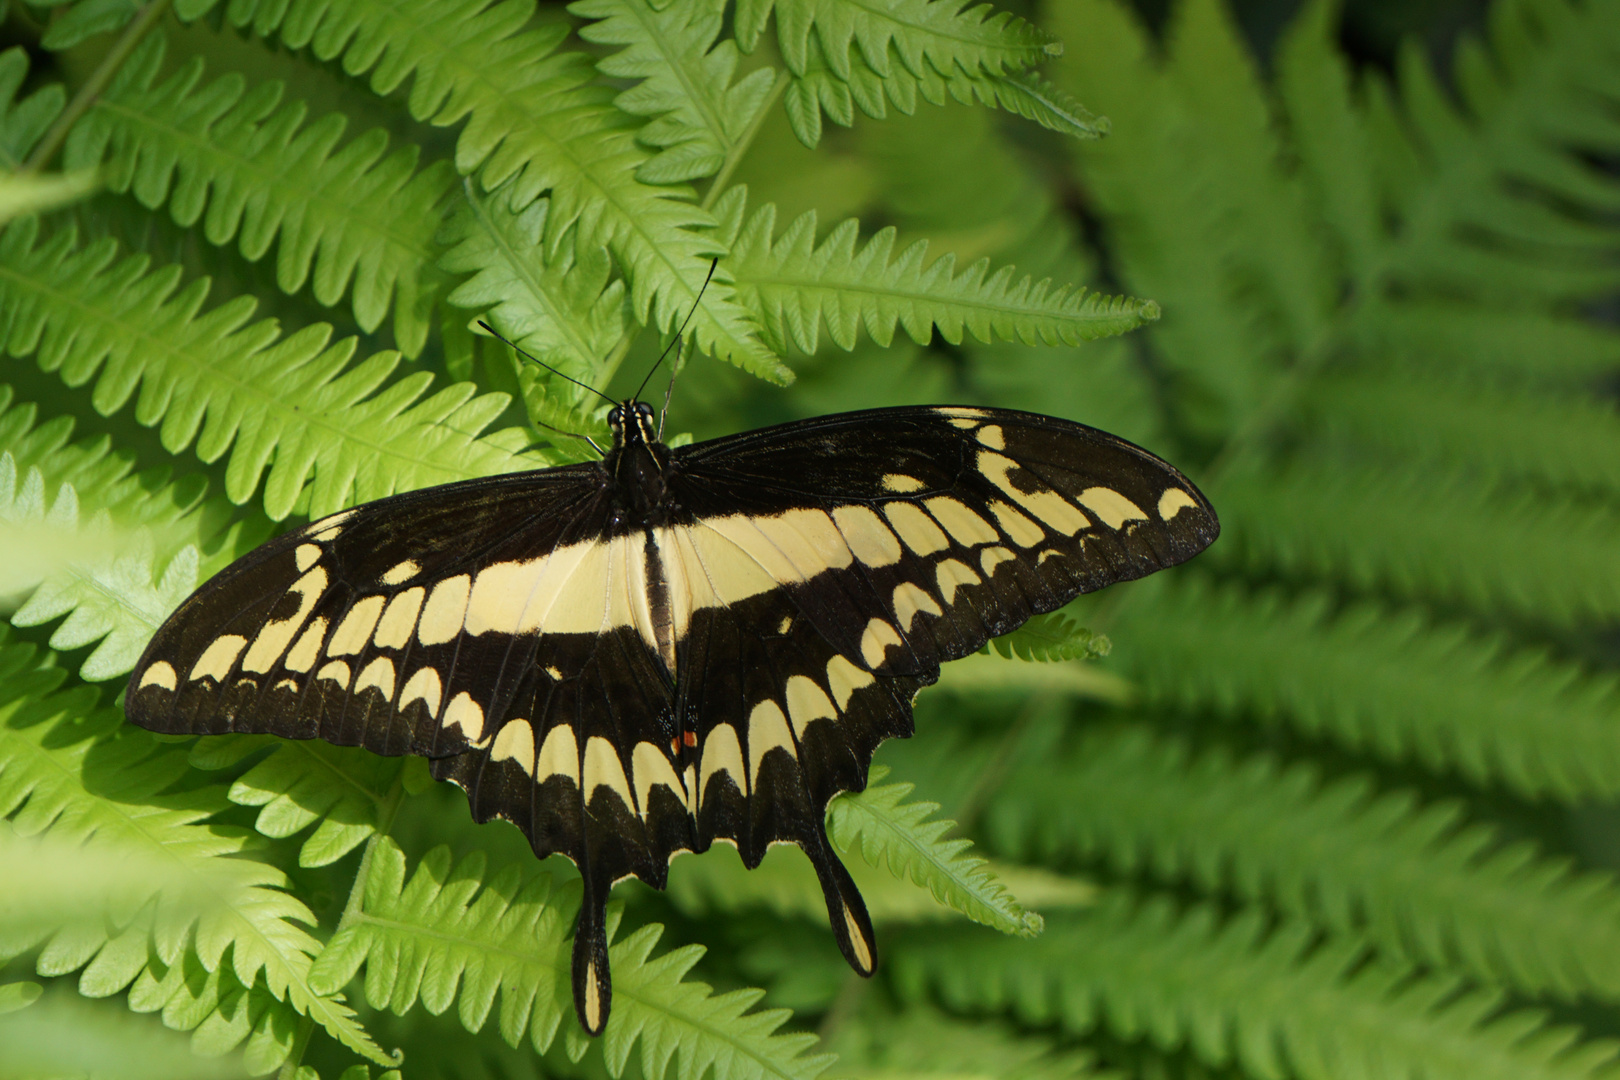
(23, 122)
(294, 406)
(1272, 1003)
(1386, 684)
(534, 118)
(52, 747)
(1052, 637)
(259, 173)
(1413, 877)
(445, 935)
(794, 285)
(698, 117)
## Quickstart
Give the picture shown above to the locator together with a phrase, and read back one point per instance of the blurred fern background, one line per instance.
(1341, 802)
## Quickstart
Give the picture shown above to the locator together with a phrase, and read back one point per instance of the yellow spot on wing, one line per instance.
(965, 527)
(872, 541)
(722, 753)
(355, 629)
(767, 730)
(1044, 503)
(990, 435)
(876, 640)
(1022, 531)
(466, 716)
(273, 637)
(909, 600)
(863, 951)
(916, 528)
(307, 648)
(401, 572)
(515, 742)
(445, 609)
(1108, 504)
(307, 555)
(651, 767)
(843, 679)
(337, 671)
(952, 574)
(394, 628)
(994, 557)
(1173, 502)
(559, 756)
(808, 703)
(378, 673)
(159, 674)
(424, 686)
(216, 660)
(604, 769)
(901, 483)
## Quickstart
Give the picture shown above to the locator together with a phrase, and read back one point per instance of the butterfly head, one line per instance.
(633, 422)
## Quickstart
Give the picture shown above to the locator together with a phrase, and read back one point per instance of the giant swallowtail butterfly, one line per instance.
(638, 656)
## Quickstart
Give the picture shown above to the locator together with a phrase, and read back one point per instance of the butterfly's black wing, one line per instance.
(489, 626)
(831, 566)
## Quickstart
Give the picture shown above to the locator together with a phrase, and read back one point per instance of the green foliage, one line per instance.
(1336, 804)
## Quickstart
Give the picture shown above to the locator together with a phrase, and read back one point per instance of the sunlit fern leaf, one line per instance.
(564, 310)
(221, 1014)
(538, 118)
(887, 830)
(1419, 532)
(841, 52)
(339, 790)
(294, 406)
(1273, 1001)
(446, 936)
(61, 772)
(23, 122)
(1391, 684)
(794, 285)
(696, 115)
(1418, 880)
(249, 168)
(86, 537)
(1055, 636)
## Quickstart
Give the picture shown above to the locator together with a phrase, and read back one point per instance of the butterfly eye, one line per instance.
(615, 416)
(644, 409)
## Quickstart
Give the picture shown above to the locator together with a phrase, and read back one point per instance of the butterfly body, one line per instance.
(639, 656)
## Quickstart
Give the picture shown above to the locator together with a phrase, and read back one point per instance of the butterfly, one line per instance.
(639, 656)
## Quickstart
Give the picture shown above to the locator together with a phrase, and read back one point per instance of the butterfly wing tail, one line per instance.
(593, 981)
(851, 925)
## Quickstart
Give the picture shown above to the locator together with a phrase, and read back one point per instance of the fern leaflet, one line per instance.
(249, 168)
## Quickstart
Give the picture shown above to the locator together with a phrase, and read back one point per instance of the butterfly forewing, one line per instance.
(629, 664)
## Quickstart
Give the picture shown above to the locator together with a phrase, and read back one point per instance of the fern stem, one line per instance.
(110, 64)
(739, 149)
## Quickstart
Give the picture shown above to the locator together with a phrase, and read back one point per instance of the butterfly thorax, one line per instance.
(638, 462)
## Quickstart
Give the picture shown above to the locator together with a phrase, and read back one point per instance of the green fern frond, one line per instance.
(446, 936)
(840, 51)
(537, 118)
(794, 285)
(1559, 437)
(23, 122)
(221, 1014)
(1417, 532)
(921, 1041)
(339, 790)
(697, 116)
(294, 406)
(85, 537)
(61, 773)
(249, 168)
(1273, 1002)
(63, 1036)
(887, 830)
(1052, 637)
(1390, 684)
(1414, 878)
(564, 310)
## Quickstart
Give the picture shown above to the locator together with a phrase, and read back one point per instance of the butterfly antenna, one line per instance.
(680, 335)
(548, 367)
(679, 340)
